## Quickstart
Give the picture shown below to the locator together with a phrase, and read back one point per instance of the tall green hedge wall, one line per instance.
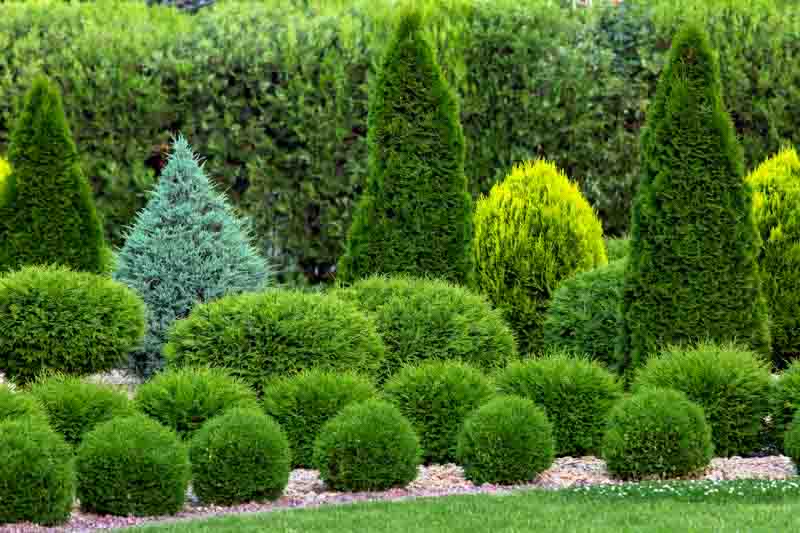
(274, 92)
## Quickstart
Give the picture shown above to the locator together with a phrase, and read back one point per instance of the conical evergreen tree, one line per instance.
(692, 272)
(48, 215)
(415, 215)
(186, 247)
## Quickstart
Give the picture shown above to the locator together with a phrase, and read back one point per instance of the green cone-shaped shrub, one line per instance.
(49, 216)
(691, 272)
(415, 214)
(186, 247)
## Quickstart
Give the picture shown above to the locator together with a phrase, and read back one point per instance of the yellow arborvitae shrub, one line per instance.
(5, 171)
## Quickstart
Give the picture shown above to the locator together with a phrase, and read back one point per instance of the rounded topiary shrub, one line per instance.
(575, 393)
(731, 384)
(37, 473)
(15, 405)
(54, 319)
(368, 446)
(656, 433)
(183, 399)
(534, 230)
(507, 440)
(436, 397)
(75, 407)
(303, 403)
(132, 466)
(617, 248)
(276, 333)
(785, 399)
(791, 441)
(239, 456)
(424, 319)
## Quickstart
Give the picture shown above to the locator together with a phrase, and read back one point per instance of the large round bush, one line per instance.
(436, 397)
(575, 393)
(54, 319)
(368, 446)
(785, 398)
(183, 399)
(303, 403)
(15, 405)
(37, 473)
(276, 333)
(731, 384)
(239, 456)
(507, 440)
(132, 466)
(656, 433)
(791, 441)
(533, 231)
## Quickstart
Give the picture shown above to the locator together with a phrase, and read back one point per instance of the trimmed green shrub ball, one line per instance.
(259, 336)
(303, 403)
(575, 393)
(75, 407)
(656, 433)
(617, 248)
(184, 399)
(731, 384)
(37, 473)
(791, 441)
(15, 405)
(239, 456)
(132, 466)
(436, 397)
(369, 445)
(786, 398)
(507, 440)
(54, 319)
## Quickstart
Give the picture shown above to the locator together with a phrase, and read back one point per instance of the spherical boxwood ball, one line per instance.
(54, 319)
(239, 456)
(575, 393)
(303, 403)
(507, 440)
(656, 433)
(183, 399)
(15, 405)
(436, 397)
(132, 466)
(786, 399)
(369, 445)
(791, 441)
(37, 473)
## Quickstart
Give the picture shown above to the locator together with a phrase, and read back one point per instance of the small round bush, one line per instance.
(259, 336)
(37, 473)
(75, 407)
(656, 433)
(791, 441)
(54, 319)
(239, 456)
(303, 403)
(436, 397)
(183, 399)
(507, 440)
(785, 398)
(575, 393)
(369, 445)
(617, 248)
(424, 319)
(732, 385)
(132, 466)
(15, 405)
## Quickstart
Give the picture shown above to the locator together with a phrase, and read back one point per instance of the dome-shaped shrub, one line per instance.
(424, 319)
(507, 440)
(239, 456)
(54, 319)
(732, 386)
(37, 473)
(617, 248)
(534, 230)
(368, 446)
(132, 466)
(303, 403)
(436, 397)
(183, 399)
(18, 404)
(575, 393)
(791, 441)
(786, 398)
(584, 315)
(656, 433)
(75, 407)
(276, 333)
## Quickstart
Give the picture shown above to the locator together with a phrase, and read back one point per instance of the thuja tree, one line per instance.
(692, 272)
(415, 215)
(186, 246)
(48, 214)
